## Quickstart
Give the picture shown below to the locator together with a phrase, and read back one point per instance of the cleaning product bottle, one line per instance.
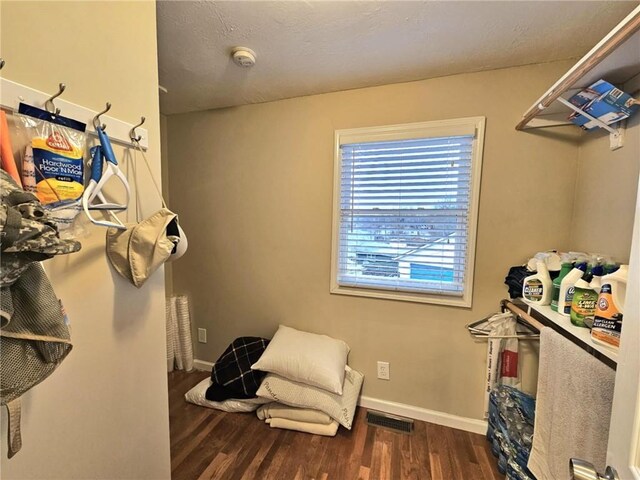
(596, 282)
(537, 288)
(583, 304)
(564, 270)
(610, 266)
(607, 323)
(565, 296)
(551, 259)
(619, 284)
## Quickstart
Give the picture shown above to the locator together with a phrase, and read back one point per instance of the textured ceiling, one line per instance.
(308, 47)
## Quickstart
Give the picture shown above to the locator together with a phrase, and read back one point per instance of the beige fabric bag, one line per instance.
(137, 252)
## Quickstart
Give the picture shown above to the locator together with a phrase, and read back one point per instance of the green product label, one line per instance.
(583, 306)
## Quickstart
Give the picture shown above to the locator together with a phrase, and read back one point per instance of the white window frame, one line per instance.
(440, 128)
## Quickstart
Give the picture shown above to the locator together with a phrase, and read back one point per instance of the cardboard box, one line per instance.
(604, 102)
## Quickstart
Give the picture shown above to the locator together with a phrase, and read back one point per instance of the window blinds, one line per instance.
(404, 208)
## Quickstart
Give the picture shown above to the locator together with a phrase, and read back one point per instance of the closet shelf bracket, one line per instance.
(616, 134)
(614, 58)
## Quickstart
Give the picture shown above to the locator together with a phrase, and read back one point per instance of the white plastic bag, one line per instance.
(53, 162)
(502, 355)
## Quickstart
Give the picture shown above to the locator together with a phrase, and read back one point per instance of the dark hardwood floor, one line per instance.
(210, 444)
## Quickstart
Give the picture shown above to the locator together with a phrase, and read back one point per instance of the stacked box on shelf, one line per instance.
(510, 430)
(602, 101)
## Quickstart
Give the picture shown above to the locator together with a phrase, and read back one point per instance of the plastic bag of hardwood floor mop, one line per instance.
(53, 162)
(502, 355)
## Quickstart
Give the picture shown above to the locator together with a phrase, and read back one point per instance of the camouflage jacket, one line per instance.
(27, 234)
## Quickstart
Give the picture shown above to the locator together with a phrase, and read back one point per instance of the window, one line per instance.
(405, 211)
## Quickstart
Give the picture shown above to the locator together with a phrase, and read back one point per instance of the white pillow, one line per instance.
(305, 357)
(341, 408)
(197, 396)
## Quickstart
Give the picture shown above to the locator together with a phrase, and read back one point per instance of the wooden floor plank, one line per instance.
(436, 468)
(217, 467)
(282, 455)
(195, 441)
(419, 450)
(455, 454)
(368, 447)
(214, 442)
(359, 433)
(208, 444)
(363, 473)
(250, 447)
(276, 446)
(485, 457)
(317, 461)
(404, 465)
(439, 446)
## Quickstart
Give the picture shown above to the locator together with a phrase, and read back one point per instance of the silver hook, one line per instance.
(2, 62)
(49, 105)
(132, 132)
(96, 119)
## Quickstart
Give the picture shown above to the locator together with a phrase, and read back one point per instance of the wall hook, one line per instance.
(2, 62)
(96, 119)
(132, 132)
(49, 106)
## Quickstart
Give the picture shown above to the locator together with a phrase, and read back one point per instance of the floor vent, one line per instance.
(398, 424)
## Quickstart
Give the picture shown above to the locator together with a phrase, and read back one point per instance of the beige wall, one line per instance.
(103, 413)
(606, 188)
(253, 187)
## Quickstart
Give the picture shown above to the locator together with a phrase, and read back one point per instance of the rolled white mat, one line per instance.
(171, 332)
(177, 347)
(184, 331)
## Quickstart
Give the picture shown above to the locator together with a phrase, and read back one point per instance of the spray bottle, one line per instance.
(537, 288)
(596, 282)
(565, 296)
(564, 270)
(583, 304)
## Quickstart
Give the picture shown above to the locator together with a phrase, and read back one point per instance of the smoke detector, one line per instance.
(243, 57)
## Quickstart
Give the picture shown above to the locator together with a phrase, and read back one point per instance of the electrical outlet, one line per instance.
(202, 335)
(383, 370)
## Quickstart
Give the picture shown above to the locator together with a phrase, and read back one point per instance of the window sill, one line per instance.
(451, 301)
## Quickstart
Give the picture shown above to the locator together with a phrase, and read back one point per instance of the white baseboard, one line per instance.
(202, 365)
(417, 413)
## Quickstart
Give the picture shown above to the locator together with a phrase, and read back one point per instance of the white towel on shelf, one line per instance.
(573, 408)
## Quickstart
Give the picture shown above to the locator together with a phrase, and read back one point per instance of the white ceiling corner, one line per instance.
(309, 47)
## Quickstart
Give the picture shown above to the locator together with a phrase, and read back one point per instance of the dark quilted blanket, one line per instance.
(232, 376)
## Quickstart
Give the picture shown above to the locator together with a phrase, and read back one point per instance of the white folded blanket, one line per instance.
(306, 415)
(329, 430)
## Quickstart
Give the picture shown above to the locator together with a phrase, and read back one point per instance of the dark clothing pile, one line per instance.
(515, 279)
(232, 376)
